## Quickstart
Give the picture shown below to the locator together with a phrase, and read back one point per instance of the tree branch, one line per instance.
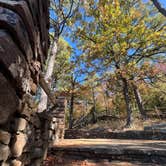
(46, 89)
(159, 7)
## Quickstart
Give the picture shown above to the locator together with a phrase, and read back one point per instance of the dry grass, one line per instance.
(115, 125)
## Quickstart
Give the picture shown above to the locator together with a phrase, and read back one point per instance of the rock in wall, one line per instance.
(24, 43)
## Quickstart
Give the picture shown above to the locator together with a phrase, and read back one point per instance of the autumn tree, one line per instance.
(72, 93)
(60, 13)
(62, 64)
(119, 38)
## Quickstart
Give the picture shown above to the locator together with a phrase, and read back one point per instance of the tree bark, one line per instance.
(50, 67)
(71, 110)
(94, 119)
(105, 102)
(46, 89)
(139, 101)
(127, 101)
(127, 98)
(86, 106)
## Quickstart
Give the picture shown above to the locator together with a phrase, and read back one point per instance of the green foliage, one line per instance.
(156, 96)
(120, 40)
(118, 29)
(62, 60)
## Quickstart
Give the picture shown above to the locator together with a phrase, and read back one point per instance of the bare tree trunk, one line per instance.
(127, 101)
(71, 111)
(105, 102)
(71, 106)
(94, 119)
(127, 98)
(86, 106)
(50, 67)
(139, 101)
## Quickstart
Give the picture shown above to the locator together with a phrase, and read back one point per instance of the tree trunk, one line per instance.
(71, 111)
(139, 101)
(105, 102)
(86, 106)
(94, 119)
(127, 101)
(50, 67)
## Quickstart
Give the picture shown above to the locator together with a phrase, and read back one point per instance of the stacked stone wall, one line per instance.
(24, 139)
(24, 42)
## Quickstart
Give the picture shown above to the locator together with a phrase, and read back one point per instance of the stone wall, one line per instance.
(24, 139)
(24, 134)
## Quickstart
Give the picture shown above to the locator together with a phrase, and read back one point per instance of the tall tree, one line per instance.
(105, 96)
(60, 13)
(62, 63)
(72, 99)
(120, 36)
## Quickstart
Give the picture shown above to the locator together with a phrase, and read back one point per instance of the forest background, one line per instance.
(108, 57)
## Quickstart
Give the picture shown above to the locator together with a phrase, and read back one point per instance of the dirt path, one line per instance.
(109, 143)
(105, 152)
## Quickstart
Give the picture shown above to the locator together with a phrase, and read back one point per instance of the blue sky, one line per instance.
(163, 2)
